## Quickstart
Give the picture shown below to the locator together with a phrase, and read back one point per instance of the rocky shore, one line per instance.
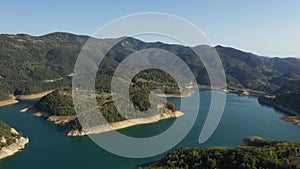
(65, 120)
(15, 147)
(294, 115)
(60, 120)
(125, 123)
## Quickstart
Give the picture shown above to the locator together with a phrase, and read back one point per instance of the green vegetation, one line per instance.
(60, 103)
(29, 62)
(290, 100)
(261, 155)
(6, 136)
(288, 95)
(32, 64)
(156, 79)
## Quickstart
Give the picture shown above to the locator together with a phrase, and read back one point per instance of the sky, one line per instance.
(267, 28)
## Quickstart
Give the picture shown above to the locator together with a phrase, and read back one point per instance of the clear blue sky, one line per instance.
(270, 28)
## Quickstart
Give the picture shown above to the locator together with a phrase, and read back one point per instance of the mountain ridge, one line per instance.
(28, 61)
(151, 42)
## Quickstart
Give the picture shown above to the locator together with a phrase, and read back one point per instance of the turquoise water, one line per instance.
(49, 147)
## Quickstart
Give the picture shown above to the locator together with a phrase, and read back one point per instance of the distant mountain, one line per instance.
(31, 64)
(285, 65)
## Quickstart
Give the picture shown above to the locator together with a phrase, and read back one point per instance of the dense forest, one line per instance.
(260, 154)
(288, 95)
(31, 64)
(60, 102)
(290, 100)
(28, 64)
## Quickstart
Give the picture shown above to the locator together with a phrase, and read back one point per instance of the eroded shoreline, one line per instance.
(15, 147)
(33, 96)
(124, 124)
(64, 120)
(15, 99)
(10, 101)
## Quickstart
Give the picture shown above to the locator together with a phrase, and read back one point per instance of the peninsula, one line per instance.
(57, 107)
(10, 140)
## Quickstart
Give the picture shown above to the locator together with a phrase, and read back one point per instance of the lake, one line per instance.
(50, 148)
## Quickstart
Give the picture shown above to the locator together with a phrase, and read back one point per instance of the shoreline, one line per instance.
(8, 102)
(271, 102)
(59, 120)
(291, 119)
(188, 94)
(64, 120)
(124, 124)
(292, 116)
(15, 147)
(15, 99)
(208, 87)
(262, 98)
(244, 92)
(33, 96)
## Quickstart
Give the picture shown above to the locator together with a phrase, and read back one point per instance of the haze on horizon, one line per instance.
(264, 28)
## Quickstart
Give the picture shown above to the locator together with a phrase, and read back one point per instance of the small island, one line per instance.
(11, 141)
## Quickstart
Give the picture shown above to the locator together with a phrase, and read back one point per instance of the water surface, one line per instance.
(49, 147)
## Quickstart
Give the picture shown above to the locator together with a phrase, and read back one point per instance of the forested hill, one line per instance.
(28, 63)
(31, 64)
(262, 154)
